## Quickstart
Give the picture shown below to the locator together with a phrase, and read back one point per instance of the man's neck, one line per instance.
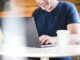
(53, 7)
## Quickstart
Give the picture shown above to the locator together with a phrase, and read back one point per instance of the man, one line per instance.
(53, 15)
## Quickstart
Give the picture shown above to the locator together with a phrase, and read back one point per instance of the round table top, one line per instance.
(71, 50)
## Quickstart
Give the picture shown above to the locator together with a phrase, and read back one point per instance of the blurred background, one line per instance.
(23, 8)
(26, 7)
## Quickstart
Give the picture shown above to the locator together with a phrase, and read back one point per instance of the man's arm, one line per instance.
(74, 33)
(74, 28)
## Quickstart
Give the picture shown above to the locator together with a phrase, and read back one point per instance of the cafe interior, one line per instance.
(25, 8)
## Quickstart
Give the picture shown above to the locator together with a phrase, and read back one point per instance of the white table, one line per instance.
(43, 53)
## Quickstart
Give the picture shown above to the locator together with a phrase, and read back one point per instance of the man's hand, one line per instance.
(45, 39)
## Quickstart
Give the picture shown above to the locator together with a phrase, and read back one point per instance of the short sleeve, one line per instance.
(72, 15)
(34, 14)
(0, 22)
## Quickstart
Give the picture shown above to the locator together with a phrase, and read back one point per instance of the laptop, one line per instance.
(23, 27)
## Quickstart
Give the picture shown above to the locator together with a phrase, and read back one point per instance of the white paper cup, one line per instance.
(63, 38)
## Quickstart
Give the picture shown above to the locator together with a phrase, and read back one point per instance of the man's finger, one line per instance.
(43, 41)
(47, 42)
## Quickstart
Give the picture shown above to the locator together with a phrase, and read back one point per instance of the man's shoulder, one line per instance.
(68, 4)
(37, 10)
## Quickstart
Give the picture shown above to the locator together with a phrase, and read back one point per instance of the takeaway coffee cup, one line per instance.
(63, 38)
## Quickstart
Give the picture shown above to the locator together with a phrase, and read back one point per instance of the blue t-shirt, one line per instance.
(48, 23)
